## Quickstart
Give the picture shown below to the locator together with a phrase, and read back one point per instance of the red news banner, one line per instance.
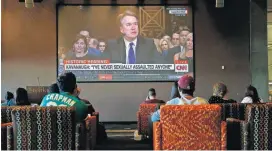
(179, 66)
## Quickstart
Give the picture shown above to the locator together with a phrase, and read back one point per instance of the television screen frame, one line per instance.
(189, 4)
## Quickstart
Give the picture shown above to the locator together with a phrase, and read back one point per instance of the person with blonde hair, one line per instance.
(220, 91)
(164, 56)
(188, 49)
(189, 46)
(180, 51)
(168, 39)
(164, 46)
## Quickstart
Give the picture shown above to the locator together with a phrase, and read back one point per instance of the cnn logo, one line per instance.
(181, 68)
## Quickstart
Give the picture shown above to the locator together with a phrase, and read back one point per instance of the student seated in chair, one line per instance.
(53, 88)
(151, 97)
(186, 87)
(67, 96)
(22, 97)
(220, 92)
(9, 100)
(91, 108)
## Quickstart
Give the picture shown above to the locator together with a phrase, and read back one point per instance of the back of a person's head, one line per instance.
(53, 88)
(22, 97)
(9, 96)
(67, 82)
(186, 85)
(152, 92)
(219, 89)
(252, 92)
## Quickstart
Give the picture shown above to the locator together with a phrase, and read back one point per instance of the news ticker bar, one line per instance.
(132, 67)
(133, 77)
(62, 62)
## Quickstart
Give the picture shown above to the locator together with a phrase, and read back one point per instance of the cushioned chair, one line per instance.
(49, 128)
(233, 110)
(190, 127)
(255, 132)
(6, 114)
(4, 135)
(5, 122)
(145, 110)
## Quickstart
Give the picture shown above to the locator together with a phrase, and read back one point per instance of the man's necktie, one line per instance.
(131, 54)
(164, 53)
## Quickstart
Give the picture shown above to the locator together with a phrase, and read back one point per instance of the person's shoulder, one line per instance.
(154, 101)
(4, 104)
(45, 99)
(247, 100)
(45, 96)
(114, 41)
(162, 101)
(215, 99)
(146, 41)
(202, 100)
(175, 48)
(85, 101)
(232, 101)
(69, 54)
(173, 101)
(146, 102)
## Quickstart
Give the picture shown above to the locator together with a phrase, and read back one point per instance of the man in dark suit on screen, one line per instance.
(131, 48)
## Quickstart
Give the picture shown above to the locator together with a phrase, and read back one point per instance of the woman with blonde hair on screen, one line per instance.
(188, 49)
(168, 39)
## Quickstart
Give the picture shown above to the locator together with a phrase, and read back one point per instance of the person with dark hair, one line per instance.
(179, 52)
(175, 91)
(93, 47)
(90, 106)
(22, 97)
(102, 46)
(53, 88)
(79, 49)
(220, 91)
(67, 96)
(9, 100)
(175, 39)
(251, 95)
(130, 48)
(186, 86)
(151, 97)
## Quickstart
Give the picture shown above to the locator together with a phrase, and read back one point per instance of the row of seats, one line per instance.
(209, 127)
(46, 128)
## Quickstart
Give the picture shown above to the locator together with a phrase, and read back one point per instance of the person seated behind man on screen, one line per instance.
(151, 97)
(67, 96)
(93, 47)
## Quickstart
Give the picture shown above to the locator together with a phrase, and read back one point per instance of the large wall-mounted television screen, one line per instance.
(125, 43)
